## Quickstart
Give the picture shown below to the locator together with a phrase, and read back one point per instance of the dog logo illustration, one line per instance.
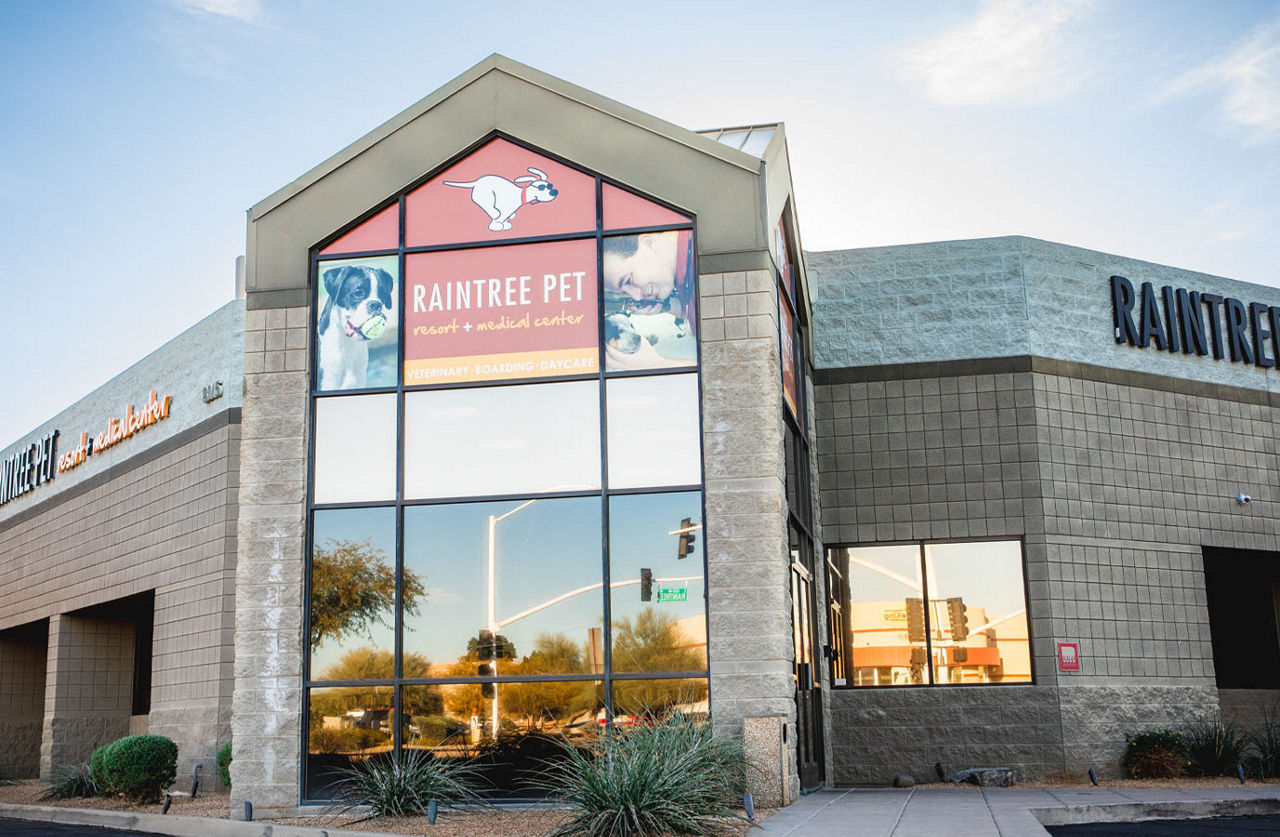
(501, 198)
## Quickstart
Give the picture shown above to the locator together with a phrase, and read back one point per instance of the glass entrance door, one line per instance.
(808, 685)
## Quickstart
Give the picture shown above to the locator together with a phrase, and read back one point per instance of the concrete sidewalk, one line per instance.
(1003, 812)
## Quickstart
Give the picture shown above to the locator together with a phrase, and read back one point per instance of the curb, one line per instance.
(173, 825)
(1144, 811)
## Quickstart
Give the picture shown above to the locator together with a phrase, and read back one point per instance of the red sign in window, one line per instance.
(1068, 656)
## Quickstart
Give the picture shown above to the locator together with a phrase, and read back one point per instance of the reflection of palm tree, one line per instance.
(353, 588)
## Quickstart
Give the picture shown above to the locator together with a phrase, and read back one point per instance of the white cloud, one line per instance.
(245, 11)
(1247, 79)
(1014, 51)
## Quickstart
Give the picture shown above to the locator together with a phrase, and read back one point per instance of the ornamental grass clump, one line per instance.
(1264, 747)
(139, 767)
(71, 781)
(1214, 748)
(1155, 754)
(391, 788)
(666, 777)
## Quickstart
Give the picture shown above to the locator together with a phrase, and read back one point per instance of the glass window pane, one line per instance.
(654, 431)
(637, 699)
(357, 323)
(650, 297)
(502, 313)
(381, 232)
(623, 210)
(978, 609)
(345, 725)
(659, 621)
(546, 588)
(355, 449)
(502, 440)
(886, 615)
(353, 588)
(790, 380)
(500, 191)
(455, 721)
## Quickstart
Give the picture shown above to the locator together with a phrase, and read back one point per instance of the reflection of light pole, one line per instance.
(493, 601)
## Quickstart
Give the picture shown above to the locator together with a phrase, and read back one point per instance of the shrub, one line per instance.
(1214, 749)
(71, 781)
(1264, 746)
(1156, 754)
(139, 767)
(390, 788)
(224, 763)
(667, 777)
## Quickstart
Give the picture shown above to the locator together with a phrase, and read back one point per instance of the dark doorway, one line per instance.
(1242, 590)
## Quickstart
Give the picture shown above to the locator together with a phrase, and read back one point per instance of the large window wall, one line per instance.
(506, 501)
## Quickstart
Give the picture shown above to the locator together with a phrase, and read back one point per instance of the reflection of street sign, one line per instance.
(673, 594)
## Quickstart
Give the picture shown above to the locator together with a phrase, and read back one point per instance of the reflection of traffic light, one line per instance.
(918, 657)
(959, 619)
(646, 584)
(687, 538)
(960, 654)
(486, 689)
(915, 620)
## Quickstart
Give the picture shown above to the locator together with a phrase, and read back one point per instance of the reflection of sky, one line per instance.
(653, 431)
(543, 550)
(638, 527)
(379, 527)
(985, 574)
(355, 442)
(502, 440)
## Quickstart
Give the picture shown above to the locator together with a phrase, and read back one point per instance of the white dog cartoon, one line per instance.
(500, 198)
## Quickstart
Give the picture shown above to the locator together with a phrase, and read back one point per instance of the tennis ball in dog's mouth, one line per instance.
(373, 327)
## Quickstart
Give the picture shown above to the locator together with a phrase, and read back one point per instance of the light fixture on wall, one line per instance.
(1243, 499)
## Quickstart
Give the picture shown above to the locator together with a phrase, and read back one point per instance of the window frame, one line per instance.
(845, 602)
(601, 376)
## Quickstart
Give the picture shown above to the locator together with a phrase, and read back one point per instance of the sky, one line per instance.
(137, 133)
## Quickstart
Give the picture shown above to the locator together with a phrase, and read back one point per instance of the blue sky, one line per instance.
(138, 133)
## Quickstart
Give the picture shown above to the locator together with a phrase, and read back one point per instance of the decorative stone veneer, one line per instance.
(267, 704)
(751, 649)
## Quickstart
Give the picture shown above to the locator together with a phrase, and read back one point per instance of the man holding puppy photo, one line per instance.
(650, 301)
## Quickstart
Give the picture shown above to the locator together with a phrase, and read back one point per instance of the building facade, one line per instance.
(1082, 426)
(537, 418)
(118, 545)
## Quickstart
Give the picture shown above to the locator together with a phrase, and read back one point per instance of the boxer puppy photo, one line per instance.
(356, 313)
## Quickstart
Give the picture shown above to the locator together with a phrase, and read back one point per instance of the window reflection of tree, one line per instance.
(652, 642)
(353, 588)
(358, 718)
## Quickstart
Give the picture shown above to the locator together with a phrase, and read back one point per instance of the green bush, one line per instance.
(666, 777)
(391, 788)
(71, 781)
(1155, 754)
(224, 763)
(1264, 747)
(139, 767)
(1214, 749)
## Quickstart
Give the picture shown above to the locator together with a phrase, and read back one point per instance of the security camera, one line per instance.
(1243, 499)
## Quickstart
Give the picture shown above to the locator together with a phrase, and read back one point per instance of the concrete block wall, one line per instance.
(751, 649)
(164, 523)
(267, 703)
(88, 689)
(1114, 488)
(23, 655)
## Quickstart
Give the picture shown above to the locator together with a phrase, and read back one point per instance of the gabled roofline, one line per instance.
(501, 64)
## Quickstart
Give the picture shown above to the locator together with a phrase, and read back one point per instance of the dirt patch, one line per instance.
(504, 821)
(210, 804)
